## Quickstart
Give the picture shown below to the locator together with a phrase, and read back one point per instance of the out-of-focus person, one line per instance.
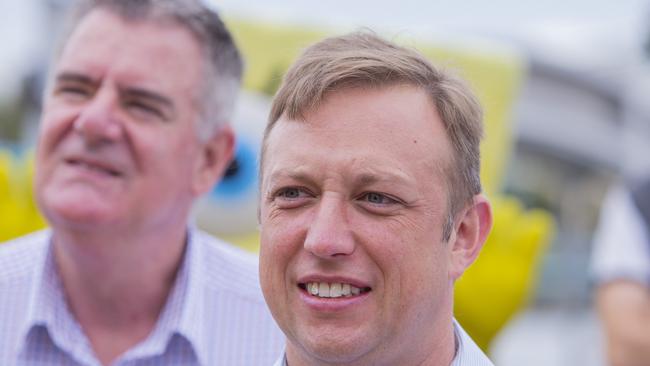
(134, 128)
(621, 269)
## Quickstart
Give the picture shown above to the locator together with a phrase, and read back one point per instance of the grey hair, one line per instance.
(223, 62)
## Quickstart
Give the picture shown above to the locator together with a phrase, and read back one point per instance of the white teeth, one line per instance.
(324, 289)
(345, 289)
(337, 289)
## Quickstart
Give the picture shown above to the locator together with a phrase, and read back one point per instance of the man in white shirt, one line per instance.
(621, 270)
(371, 206)
(134, 129)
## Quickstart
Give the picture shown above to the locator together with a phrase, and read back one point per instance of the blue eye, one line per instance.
(377, 198)
(290, 193)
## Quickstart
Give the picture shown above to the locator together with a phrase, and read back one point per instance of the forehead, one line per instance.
(395, 127)
(156, 52)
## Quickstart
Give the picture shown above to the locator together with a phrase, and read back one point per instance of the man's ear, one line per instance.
(215, 157)
(471, 231)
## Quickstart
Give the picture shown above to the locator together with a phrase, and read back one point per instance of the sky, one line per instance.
(23, 26)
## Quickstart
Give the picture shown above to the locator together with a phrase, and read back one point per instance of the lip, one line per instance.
(332, 304)
(94, 165)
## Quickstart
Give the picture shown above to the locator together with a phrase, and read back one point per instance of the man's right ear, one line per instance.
(471, 231)
(216, 155)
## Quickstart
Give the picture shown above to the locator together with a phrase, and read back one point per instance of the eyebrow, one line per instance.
(75, 77)
(391, 177)
(300, 175)
(149, 95)
(363, 179)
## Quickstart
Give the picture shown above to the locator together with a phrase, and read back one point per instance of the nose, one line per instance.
(329, 234)
(98, 122)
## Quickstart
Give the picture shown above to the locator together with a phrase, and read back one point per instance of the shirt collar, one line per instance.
(181, 315)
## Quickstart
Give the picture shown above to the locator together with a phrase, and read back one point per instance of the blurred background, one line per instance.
(564, 86)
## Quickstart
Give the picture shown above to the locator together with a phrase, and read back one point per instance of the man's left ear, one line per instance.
(471, 231)
(215, 157)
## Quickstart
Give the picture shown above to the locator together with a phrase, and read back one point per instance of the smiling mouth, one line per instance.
(94, 167)
(332, 290)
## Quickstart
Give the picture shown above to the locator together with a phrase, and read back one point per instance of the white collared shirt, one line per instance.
(467, 353)
(215, 313)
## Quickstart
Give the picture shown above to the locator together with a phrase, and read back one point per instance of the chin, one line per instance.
(339, 349)
(76, 215)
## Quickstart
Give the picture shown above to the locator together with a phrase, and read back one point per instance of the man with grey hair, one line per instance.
(134, 128)
(371, 207)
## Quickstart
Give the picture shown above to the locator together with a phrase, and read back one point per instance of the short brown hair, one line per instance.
(363, 59)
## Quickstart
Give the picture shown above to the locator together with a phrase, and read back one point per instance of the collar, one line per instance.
(181, 316)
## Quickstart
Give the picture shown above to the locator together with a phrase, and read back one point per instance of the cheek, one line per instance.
(163, 153)
(409, 254)
(282, 238)
(54, 127)
(276, 253)
(278, 242)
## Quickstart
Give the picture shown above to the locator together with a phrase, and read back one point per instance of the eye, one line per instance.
(290, 193)
(291, 197)
(73, 91)
(143, 110)
(377, 198)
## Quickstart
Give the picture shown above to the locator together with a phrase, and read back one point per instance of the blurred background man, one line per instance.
(134, 128)
(621, 267)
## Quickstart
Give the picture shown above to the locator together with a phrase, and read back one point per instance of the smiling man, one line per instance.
(371, 206)
(134, 128)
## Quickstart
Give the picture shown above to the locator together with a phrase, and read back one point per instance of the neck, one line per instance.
(117, 285)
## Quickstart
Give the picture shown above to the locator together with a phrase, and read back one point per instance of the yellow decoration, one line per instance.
(18, 212)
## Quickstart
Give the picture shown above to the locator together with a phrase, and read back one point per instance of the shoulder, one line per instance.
(215, 250)
(227, 267)
(19, 257)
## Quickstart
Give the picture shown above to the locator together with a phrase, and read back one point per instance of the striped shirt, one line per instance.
(467, 352)
(215, 313)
